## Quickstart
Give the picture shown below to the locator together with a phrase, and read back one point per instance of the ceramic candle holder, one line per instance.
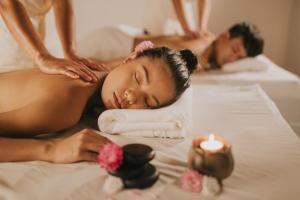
(217, 163)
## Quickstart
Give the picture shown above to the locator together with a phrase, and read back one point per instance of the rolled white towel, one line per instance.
(171, 121)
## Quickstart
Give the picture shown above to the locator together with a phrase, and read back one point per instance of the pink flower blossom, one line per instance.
(143, 46)
(191, 181)
(110, 157)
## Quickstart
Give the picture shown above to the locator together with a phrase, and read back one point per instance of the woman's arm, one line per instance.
(65, 26)
(82, 146)
(18, 23)
(46, 116)
(12, 149)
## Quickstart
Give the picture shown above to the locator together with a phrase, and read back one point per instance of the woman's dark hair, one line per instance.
(252, 40)
(181, 64)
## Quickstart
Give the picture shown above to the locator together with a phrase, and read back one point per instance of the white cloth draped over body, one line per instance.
(12, 56)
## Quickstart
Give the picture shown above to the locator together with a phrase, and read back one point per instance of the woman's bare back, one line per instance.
(42, 95)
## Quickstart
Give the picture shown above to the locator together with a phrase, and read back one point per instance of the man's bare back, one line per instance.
(179, 42)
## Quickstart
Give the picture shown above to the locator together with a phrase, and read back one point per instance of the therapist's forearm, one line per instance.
(12, 150)
(65, 25)
(204, 7)
(20, 26)
(178, 5)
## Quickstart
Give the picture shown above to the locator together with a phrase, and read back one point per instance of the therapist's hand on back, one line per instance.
(73, 66)
(82, 146)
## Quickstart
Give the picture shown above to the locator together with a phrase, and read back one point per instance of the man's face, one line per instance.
(229, 49)
(140, 83)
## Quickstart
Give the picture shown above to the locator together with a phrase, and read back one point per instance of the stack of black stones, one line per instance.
(136, 171)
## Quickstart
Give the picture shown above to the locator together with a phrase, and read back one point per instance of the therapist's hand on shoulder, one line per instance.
(73, 66)
(82, 146)
(91, 64)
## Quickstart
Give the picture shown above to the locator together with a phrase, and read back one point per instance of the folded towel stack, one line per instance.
(171, 121)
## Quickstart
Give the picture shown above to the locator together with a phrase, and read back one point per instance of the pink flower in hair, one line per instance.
(110, 157)
(191, 181)
(143, 46)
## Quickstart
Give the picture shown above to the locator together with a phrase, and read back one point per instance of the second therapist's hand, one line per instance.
(207, 36)
(52, 65)
(190, 34)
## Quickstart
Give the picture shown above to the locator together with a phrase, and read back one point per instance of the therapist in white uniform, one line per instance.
(22, 32)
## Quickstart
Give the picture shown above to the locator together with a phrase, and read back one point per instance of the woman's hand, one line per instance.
(73, 69)
(82, 146)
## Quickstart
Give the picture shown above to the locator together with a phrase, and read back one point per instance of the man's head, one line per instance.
(155, 78)
(240, 41)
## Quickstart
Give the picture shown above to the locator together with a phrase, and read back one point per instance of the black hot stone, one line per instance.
(128, 171)
(144, 180)
(138, 154)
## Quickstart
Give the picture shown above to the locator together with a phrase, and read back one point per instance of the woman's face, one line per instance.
(140, 83)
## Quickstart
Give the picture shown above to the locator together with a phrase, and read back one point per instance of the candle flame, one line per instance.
(211, 144)
(211, 137)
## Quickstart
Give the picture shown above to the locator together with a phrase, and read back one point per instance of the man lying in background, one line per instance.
(239, 41)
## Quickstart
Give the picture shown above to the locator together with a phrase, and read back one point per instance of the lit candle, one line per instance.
(211, 144)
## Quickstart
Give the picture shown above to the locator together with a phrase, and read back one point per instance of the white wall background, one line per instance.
(293, 48)
(271, 16)
(278, 20)
(141, 13)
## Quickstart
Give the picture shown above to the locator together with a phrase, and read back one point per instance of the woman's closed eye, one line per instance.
(146, 103)
(235, 49)
(136, 78)
(142, 78)
(151, 102)
(138, 82)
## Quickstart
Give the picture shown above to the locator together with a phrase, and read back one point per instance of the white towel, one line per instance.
(172, 121)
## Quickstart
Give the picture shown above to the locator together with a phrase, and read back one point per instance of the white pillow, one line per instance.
(245, 64)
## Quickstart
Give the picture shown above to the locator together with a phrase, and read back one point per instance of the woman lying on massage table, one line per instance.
(33, 103)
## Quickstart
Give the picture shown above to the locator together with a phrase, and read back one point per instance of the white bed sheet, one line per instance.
(266, 152)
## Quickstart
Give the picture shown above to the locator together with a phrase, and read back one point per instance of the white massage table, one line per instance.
(282, 86)
(265, 148)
